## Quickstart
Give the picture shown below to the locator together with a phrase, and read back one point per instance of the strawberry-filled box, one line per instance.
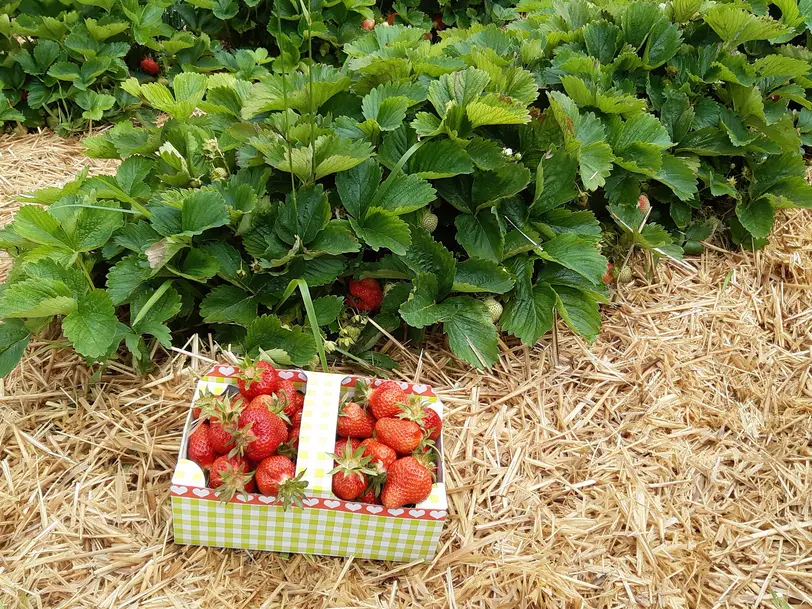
(314, 463)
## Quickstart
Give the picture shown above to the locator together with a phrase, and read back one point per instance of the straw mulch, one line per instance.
(667, 465)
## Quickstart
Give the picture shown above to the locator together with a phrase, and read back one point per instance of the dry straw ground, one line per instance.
(667, 465)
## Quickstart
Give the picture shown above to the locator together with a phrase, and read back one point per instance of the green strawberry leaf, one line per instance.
(229, 304)
(266, 332)
(14, 337)
(92, 327)
(481, 275)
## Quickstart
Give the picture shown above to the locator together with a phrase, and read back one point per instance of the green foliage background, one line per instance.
(530, 136)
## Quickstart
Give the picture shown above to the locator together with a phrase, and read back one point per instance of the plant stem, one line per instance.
(85, 271)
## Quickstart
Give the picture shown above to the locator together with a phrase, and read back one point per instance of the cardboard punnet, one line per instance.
(325, 525)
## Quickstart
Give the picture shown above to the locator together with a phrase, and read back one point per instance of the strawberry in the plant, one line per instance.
(277, 476)
(365, 294)
(643, 204)
(427, 36)
(408, 481)
(257, 378)
(390, 19)
(264, 429)
(427, 220)
(625, 275)
(494, 309)
(354, 422)
(229, 475)
(607, 276)
(24, 95)
(368, 24)
(399, 434)
(350, 473)
(438, 22)
(293, 400)
(150, 66)
(201, 450)
(382, 455)
(432, 424)
(387, 400)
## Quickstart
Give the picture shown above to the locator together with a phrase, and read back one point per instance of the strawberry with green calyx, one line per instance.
(431, 423)
(427, 220)
(354, 421)
(385, 400)
(201, 450)
(292, 399)
(494, 309)
(257, 377)
(368, 24)
(402, 435)
(342, 442)
(390, 19)
(437, 20)
(426, 452)
(382, 455)
(223, 414)
(276, 476)
(291, 447)
(365, 294)
(368, 496)
(230, 475)
(407, 482)
(350, 475)
(266, 430)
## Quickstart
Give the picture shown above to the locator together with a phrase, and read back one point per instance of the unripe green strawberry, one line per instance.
(494, 308)
(428, 220)
(625, 274)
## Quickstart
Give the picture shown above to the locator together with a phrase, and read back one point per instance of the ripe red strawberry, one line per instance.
(257, 378)
(342, 442)
(24, 95)
(643, 204)
(201, 450)
(150, 66)
(438, 22)
(292, 399)
(431, 423)
(350, 473)
(427, 36)
(369, 496)
(368, 24)
(225, 465)
(407, 482)
(387, 400)
(354, 422)
(277, 476)
(222, 414)
(365, 294)
(196, 413)
(265, 431)
(607, 277)
(382, 455)
(230, 475)
(390, 19)
(401, 435)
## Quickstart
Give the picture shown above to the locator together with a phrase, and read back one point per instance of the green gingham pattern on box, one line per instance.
(310, 531)
(318, 432)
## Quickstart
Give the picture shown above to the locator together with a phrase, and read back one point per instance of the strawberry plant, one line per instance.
(471, 184)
